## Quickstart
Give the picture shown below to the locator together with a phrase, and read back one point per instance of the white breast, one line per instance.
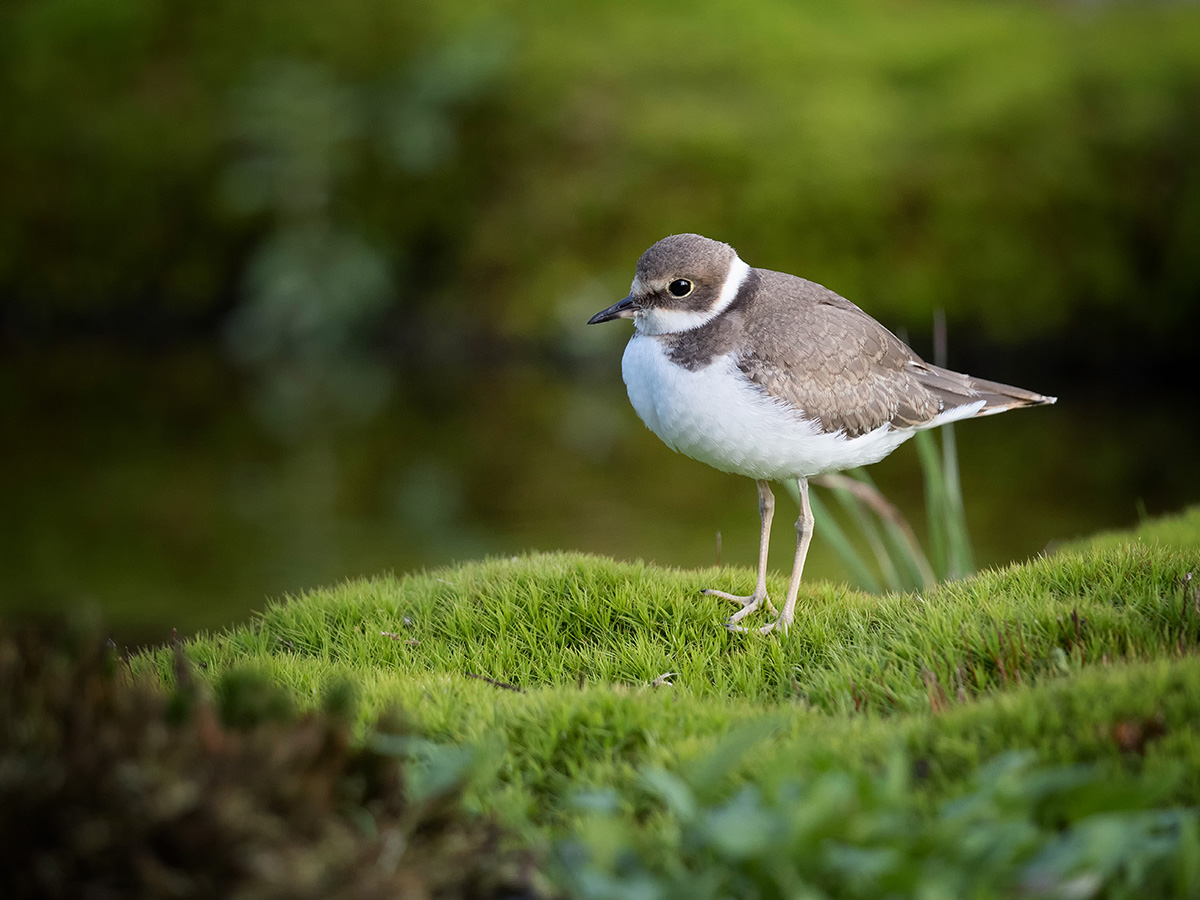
(716, 415)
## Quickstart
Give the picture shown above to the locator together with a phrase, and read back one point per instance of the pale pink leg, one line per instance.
(751, 602)
(804, 533)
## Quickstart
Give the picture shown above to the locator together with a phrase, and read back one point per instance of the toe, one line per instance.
(743, 612)
(744, 599)
(780, 625)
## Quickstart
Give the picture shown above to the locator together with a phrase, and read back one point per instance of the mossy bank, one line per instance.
(1030, 730)
(568, 671)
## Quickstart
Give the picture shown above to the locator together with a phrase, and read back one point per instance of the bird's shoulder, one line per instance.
(806, 326)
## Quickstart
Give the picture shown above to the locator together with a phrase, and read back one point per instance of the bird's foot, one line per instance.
(751, 605)
(749, 602)
(779, 624)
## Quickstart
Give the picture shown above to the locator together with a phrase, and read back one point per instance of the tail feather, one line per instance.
(956, 389)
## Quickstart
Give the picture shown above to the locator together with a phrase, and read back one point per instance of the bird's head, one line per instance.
(680, 283)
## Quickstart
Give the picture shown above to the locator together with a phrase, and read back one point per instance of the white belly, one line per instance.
(716, 415)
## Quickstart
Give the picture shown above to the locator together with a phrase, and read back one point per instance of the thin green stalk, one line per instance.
(902, 541)
(961, 560)
(861, 514)
(936, 502)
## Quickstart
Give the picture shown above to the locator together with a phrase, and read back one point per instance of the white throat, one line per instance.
(669, 321)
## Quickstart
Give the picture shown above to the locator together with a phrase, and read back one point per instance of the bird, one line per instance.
(777, 378)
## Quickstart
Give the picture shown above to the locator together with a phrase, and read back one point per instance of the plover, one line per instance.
(774, 377)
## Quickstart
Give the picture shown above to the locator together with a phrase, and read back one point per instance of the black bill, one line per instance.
(622, 309)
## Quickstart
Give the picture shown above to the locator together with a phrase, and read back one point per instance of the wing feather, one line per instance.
(822, 355)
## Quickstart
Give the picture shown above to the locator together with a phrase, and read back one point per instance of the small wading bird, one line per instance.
(774, 377)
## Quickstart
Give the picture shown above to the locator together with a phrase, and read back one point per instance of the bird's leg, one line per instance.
(766, 511)
(804, 533)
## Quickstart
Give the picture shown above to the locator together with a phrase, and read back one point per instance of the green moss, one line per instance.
(1032, 729)
(1181, 530)
(1079, 656)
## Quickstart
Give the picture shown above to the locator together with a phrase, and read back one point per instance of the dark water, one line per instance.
(146, 487)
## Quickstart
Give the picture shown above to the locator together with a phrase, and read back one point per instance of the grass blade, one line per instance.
(936, 503)
(861, 513)
(902, 547)
(961, 557)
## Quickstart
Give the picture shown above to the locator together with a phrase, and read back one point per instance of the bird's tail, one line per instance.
(959, 390)
(1002, 397)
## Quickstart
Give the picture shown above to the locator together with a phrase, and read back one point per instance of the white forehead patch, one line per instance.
(670, 321)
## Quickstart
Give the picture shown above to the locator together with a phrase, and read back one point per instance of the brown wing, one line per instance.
(820, 353)
(823, 355)
(844, 373)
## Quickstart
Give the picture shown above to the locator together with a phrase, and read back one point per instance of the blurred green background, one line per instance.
(294, 291)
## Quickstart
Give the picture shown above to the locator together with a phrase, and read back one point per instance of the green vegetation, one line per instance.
(110, 788)
(336, 203)
(1031, 729)
(570, 672)
(1015, 163)
(1051, 832)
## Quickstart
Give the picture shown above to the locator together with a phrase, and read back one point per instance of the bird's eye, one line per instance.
(680, 287)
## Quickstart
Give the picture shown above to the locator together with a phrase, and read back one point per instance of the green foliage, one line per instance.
(110, 788)
(314, 289)
(148, 145)
(1065, 831)
(551, 665)
(1014, 162)
(901, 563)
(869, 752)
